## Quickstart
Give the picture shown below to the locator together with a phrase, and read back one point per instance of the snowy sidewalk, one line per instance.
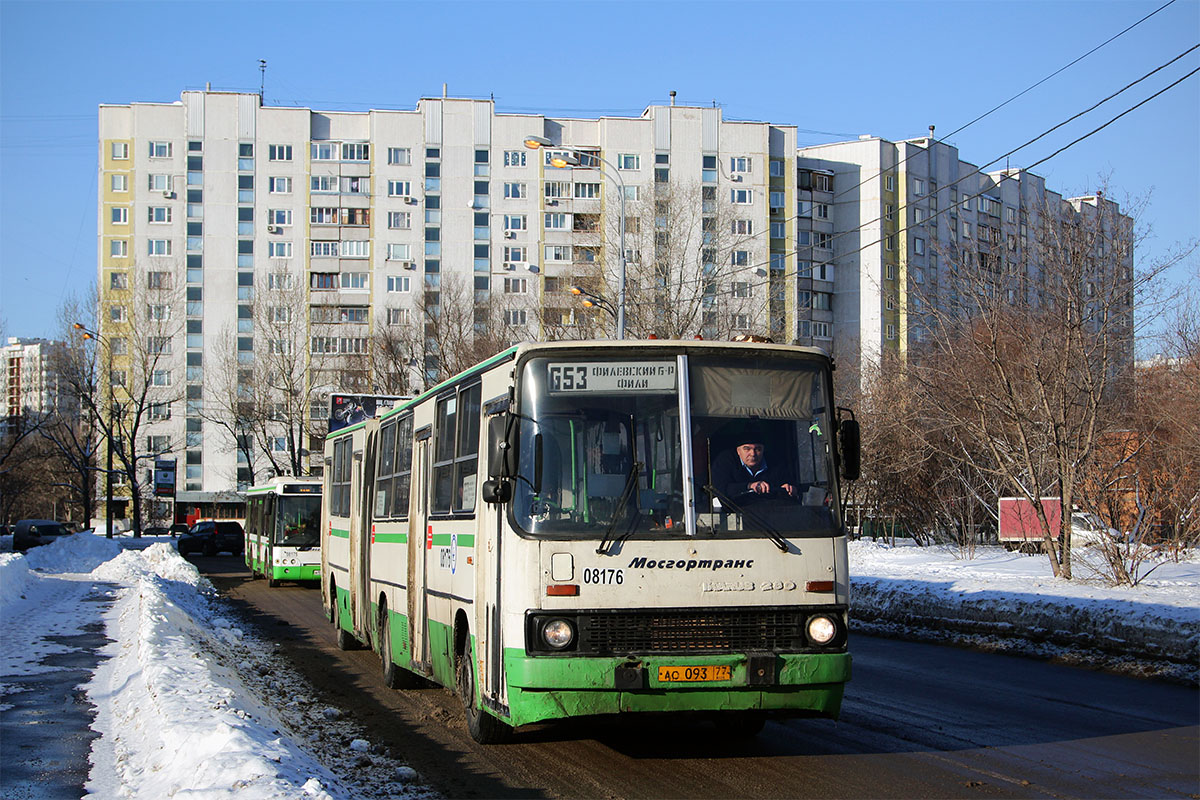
(170, 695)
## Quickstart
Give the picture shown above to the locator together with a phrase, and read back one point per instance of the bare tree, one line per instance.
(1027, 358)
(692, 267)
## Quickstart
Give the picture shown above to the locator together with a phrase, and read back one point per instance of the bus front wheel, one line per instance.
(483, 727)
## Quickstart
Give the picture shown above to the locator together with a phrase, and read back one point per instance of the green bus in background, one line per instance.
(283, 534)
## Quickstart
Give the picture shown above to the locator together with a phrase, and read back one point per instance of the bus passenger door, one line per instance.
(419, 552)
(363, 487)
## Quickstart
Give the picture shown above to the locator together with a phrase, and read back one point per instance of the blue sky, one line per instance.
(835, 70)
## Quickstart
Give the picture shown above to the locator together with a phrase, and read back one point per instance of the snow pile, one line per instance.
(15, 578)
(1016, 598)
(173, 714)
(82, 552)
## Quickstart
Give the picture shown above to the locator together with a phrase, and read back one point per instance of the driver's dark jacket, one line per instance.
(732, 478)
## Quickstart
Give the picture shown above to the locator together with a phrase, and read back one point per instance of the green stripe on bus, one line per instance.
(302, 572)
(391, 538)
(464, 539)
(339, 533)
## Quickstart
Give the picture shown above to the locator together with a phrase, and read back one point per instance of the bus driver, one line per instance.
(744, 470)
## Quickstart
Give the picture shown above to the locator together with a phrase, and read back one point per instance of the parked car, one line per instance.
(210, 537)
(155, 530)
(179, 528)
(33, 532)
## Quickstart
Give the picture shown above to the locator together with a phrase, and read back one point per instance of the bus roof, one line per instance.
(276, 485)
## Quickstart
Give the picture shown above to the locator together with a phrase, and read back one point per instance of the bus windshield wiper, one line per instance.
(622, 511)
(760, 523)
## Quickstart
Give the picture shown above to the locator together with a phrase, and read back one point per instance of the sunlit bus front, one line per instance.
(690, 554)
(296, 537)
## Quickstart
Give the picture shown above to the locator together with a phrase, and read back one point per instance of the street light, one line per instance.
(592, 300)
(108, 472)
(573, 160)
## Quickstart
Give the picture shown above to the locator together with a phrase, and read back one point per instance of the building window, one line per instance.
(515, 316)
(399, 284)
(629, 161)
(399, 220)
(889, 183)
(776, 200)
(822, 301)
(739, 258)
(323, 215)
(741, 289)
(158, 214)
(558, 252)
(739, 164)
(158, 280)
(323, 249)
(822, 210)
(966, 230)
(158, 312)
(514, 255)
(514, 190)
(741, 197)
(514, 158)
(279, 216)
(159, 183)
(399, 156)
(356, 151)
(118, 248)
(356, 280)
(118, 280)
(778, 230)
(557, 222)
(587, 190)
(822, 240)
(120, 215)
(355, 249)
(889, 302)
(399, 188)
(280, 281)
(776, 168)
(279, 250)
(323, 151)
(891, 331)
(516, 285)
(120, 151)
(158, 247)
(120, 183)
(398, 252)
(889, 272)
(279, 185)
(161, 377)
(515, 222)
(158, 345)
(739, 322)
(889, 243)
(820, 330)
(323, 281)
(160, 149)
(279, 152)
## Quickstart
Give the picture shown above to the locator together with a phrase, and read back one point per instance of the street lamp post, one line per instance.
(538, 142)
(108, 472)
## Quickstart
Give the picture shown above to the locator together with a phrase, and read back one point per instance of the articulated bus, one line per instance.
(549, 535)
(283, 535)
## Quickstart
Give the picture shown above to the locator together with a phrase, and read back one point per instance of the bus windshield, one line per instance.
(602, 449)
(298, 521)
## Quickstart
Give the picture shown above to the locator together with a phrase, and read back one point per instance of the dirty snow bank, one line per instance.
(1012, 602)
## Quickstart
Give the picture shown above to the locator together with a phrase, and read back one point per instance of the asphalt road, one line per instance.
(919, 720)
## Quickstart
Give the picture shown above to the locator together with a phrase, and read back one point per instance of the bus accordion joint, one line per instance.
(562, 590)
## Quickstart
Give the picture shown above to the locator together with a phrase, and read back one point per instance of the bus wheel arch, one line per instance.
(483, 727)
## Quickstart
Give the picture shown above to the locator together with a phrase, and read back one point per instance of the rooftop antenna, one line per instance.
(262, 79)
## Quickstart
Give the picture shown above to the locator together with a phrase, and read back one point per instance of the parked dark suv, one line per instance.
(210, 537)
(32, 532)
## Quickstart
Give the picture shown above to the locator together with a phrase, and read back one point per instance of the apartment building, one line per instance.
(31, 384)
(379, 219)
(904, 214)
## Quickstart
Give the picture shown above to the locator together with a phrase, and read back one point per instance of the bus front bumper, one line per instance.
(550, 687)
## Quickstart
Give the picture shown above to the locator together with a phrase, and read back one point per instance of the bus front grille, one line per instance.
(693, 631)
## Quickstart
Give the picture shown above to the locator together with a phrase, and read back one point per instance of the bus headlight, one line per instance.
(821, 629)
(558, 634)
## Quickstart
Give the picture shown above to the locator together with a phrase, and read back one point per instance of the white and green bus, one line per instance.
(548, 534)
(283, 536)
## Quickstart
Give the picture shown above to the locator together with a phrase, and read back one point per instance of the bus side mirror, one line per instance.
(502, 446)
(497, 491)
(849, 442)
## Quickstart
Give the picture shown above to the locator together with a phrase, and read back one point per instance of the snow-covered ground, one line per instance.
(185, 702)
(188, 703)
(1012, 602)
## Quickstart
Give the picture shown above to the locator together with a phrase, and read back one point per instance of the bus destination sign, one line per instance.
(611, 377)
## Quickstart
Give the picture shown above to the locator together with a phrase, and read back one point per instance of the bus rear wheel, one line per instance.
(483, 727)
